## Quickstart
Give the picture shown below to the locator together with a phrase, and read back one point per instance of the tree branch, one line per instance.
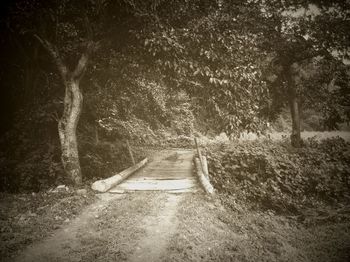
(88, 28)
(142, 13)
(83, 61)
(52, 50)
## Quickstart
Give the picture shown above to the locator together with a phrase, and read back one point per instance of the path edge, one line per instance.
(104, 185)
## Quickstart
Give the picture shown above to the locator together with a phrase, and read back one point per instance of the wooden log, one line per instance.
(202, 178)
(202, 160)
(106, 184)
(205, 167)
(198, 150)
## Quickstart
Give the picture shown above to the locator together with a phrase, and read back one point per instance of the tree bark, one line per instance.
(72, 107)
(293, 100)
(67, 126)
(295, 137)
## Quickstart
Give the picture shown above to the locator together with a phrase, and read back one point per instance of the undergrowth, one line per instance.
(275, 176)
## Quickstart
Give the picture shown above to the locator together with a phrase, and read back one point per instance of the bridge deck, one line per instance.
(170, 171)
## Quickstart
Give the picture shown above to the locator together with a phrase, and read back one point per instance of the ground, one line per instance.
(77, 225)
(149, 226)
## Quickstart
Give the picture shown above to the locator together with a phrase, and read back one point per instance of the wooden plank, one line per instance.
(157, 185)
(170, 173)
(159, 178)
(169, 169)
(163, 175)
(187, 190)
(116, 191)
(161, 182)
(156, 180)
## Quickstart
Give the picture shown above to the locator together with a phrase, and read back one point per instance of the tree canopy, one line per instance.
(232, 64)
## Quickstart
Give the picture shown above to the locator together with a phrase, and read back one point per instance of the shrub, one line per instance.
(274, 175)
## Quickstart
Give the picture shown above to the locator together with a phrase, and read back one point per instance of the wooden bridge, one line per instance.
(169, 170)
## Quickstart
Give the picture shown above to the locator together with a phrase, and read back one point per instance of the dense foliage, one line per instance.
(209, 55)
(159, 72)
(273, 175)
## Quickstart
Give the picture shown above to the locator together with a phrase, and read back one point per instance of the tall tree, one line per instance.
(67, 32)
(72, 107)
(295, 33)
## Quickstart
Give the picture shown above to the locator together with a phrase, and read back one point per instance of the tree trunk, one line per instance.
(293, 100)
(67, 127)
(72, 106)
(294, 109)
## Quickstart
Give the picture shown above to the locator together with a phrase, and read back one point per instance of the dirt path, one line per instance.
(132, 227)
(162, 226)
(59, 245)
(135, 227)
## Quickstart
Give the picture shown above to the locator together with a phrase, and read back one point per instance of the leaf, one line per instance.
(196, 72)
